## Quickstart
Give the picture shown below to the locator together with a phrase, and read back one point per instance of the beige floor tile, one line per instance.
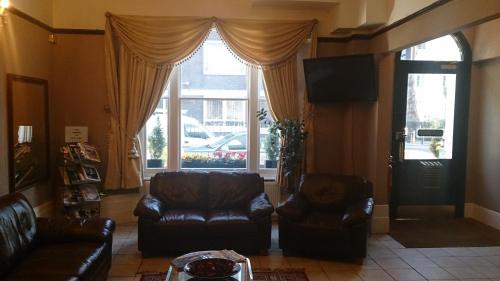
(488, 271)
(460, 252)
(308, 264)
(408, 274)
(486, 251)
(393, 244)
(374, 275)
(475, 261)
(273, 262)
(464, 272)
(344, 275)
(434, 252)
(391, 263)
(495, 260)
(154, 265)
(448, 261)
(408, 253)
(434, 273)
(134, 259)
(123, 270)
(317, 276)
(331, 265)
(381, 253)
(420, 262)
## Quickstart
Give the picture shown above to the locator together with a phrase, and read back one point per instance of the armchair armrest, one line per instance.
(260, 207)
(150, 207)
(63, 229)
(294, 208)
(358, 213)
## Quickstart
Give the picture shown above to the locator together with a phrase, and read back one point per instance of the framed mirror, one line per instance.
(28, 129)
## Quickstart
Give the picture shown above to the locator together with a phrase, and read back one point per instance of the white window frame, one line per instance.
(174, 120)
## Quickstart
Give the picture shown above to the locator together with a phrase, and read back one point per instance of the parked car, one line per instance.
(233, 145)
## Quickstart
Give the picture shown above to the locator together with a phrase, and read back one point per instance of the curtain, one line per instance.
(142, 51)
(309, 164)
(140, 55)
(273, 46)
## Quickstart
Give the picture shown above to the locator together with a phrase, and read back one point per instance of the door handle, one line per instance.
(400, 137)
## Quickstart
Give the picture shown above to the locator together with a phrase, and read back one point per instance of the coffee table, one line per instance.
(245, 274)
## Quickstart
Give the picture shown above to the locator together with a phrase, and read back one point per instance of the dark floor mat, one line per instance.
(444, 233)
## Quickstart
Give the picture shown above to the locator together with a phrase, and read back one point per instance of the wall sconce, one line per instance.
(4, 5)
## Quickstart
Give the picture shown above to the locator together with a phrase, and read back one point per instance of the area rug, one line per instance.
(258, 275)
(444, 233)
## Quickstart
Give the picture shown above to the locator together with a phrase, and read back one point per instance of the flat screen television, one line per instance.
(341, 79)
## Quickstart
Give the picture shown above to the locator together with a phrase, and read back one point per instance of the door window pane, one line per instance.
(440, 49)
(429, 116)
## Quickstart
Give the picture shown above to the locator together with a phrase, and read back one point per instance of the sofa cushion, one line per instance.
(222, 223)
(333, 193)
(183, 217)
(233, 190)
(17, 230)
(181, 190)
(63, 261)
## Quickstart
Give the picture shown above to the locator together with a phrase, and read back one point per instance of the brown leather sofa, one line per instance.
(190, 211)
(34, 248)
(329, 216)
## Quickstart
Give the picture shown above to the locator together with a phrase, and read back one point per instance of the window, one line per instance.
(208, 115)
(440, 49)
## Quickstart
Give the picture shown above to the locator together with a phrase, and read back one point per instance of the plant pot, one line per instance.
(154, 163)
(271, 163)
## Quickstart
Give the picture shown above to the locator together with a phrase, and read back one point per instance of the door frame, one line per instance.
(460, 128)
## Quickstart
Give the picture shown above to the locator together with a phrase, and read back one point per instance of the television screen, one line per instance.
(338, 79)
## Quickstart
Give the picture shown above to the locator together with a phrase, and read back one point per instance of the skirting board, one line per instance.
(380, 219)
(482, 214)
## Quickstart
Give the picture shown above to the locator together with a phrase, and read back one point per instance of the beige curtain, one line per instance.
(272, 45)
(140, 55)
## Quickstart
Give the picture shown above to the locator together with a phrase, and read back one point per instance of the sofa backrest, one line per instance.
(233, 190)
(326, 192)
(17, 230)
(181, 190)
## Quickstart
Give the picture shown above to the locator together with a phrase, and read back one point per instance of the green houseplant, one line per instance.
(293, 136)
(156, 144)
(272, 146)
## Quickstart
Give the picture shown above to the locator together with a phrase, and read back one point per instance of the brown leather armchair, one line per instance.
(192, 211)
(34, 248)
(330, 215)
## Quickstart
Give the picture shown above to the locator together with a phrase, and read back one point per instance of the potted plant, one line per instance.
(293, 135)
(156, 145)
(272, 146)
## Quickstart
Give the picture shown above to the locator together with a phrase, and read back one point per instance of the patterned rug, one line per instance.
(258, 275)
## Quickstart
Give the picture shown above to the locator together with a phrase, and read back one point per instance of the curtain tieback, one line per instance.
(133, 153)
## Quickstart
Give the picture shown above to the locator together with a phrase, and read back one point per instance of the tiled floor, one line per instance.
(387, 259)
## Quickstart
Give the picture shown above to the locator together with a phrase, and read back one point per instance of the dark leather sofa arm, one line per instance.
(294, 208)
(150, 207)
(260, 207)
(74, 230)
(359, 212)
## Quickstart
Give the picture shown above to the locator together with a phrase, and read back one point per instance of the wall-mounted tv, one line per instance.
(341, 79)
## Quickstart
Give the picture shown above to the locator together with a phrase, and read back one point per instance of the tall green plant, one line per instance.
(156, 140)
(293, 135)
(272, 143)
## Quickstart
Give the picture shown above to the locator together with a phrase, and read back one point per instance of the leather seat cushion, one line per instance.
(183, 217)
(323, 220)
(63, 261)
(229, 222)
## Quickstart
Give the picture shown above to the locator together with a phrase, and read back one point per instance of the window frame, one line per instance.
(174, 101)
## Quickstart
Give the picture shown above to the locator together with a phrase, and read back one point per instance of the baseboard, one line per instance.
(380, 219)
(482, 214)
(45, 209)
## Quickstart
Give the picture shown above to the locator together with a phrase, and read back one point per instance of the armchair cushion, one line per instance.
(150, 207)
(294, 208)
(260, 207)
(57, 230)
(358, 213)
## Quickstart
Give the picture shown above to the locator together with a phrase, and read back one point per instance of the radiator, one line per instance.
(273, 191)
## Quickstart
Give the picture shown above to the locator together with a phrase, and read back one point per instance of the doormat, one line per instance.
(258, 275)
(439, 233)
